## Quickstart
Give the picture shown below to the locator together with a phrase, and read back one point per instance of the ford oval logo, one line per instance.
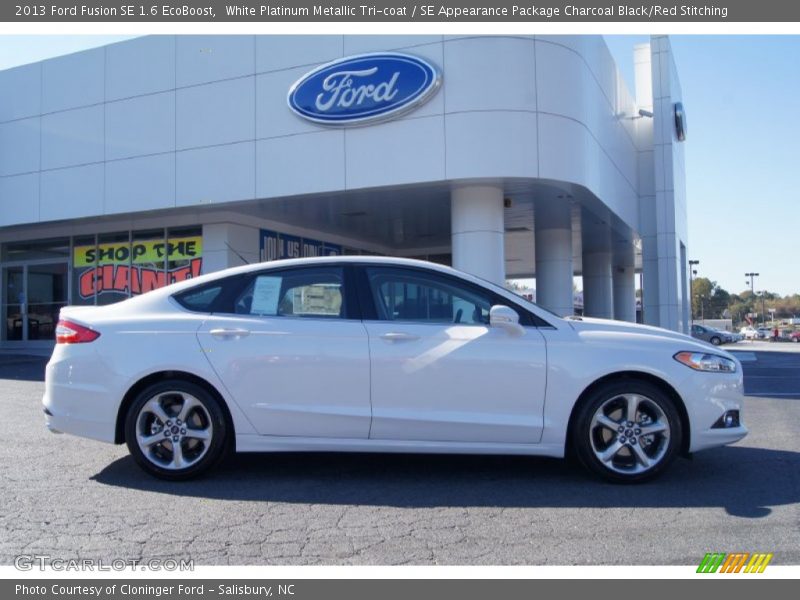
(364, 89)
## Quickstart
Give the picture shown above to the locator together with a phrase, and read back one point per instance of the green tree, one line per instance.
(709, 300)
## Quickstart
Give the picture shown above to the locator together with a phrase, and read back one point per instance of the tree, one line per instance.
(708, 299)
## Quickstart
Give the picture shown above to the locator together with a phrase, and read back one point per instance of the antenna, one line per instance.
(242, 258)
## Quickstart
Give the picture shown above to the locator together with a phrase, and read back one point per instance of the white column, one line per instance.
(597, 258)
(597, 288)
(554, 270)
(226, 244)
(624, 284)
(478, 229)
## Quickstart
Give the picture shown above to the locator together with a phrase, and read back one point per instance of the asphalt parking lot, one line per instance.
(72, 498)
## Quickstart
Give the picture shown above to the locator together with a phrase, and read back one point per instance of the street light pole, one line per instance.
(692, 272)
(751, 276)
(752, 288)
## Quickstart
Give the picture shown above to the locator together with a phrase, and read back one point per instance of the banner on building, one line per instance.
(275, 246)
(133, 268)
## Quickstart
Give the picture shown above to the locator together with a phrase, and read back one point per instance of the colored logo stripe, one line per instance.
(734, 563)
(711, 562)
(758, 563)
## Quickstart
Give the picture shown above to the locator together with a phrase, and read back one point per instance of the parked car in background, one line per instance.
(752, 333)
(712, 336)
(369, 354)
(794, 336)
(764, 333)
(749, 333)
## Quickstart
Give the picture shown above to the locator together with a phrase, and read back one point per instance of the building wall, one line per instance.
(663, 214)
(179, 121)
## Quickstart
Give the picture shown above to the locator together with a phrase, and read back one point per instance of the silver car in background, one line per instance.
(712, 336)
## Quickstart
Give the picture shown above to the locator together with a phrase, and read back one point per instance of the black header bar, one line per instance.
(409, 11)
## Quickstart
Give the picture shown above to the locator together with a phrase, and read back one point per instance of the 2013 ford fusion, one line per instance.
(380, 355)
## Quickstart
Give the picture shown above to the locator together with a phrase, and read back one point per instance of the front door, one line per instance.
(440, 373)
(33, 294)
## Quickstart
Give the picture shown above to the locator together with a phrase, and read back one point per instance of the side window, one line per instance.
(199, 299)
(409, 295)
(309, 292)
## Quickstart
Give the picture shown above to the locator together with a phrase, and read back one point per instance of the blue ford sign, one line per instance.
(364, 89)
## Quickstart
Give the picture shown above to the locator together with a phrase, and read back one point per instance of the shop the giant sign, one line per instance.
(136, 266)
(276, 245)
(363, 89)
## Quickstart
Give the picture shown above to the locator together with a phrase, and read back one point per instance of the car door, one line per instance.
(439, 371)
(291, 356)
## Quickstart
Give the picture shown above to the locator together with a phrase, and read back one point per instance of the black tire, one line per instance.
(715, 341)
(208, 413)
(586, 438)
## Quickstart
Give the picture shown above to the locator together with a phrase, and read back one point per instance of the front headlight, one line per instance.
(701, 361)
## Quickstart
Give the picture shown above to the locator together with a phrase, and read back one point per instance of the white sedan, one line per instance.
(366, 354)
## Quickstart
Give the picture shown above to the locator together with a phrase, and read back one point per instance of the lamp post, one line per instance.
(752, 289)
(752, 276)
(702, 308)
(692, 272)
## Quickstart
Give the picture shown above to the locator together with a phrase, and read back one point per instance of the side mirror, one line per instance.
(506, 318)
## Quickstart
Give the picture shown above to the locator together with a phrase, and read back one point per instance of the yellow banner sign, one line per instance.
(138, 252)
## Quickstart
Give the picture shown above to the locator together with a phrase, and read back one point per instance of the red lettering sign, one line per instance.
(119, 278)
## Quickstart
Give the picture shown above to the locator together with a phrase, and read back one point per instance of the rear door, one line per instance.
(291, 354)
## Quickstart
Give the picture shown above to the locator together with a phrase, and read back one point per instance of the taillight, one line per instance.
(68, 332)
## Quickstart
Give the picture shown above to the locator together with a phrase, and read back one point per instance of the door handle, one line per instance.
(398, 336)
(229, 333)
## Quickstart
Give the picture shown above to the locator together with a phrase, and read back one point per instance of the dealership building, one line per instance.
(126, 167)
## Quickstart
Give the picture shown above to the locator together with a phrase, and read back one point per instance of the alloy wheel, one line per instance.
(629, 434)
(174, 430)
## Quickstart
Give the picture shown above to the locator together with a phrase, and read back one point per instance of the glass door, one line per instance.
(33, 294)
(13, 304)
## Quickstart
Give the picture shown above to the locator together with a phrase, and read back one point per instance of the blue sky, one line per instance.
(742, 97)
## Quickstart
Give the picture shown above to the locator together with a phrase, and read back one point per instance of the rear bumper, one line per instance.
(80, 427)
(78, 399)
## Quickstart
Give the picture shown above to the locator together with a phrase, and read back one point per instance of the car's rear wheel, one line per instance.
(176, 430)
(627, 431)
(716, 341)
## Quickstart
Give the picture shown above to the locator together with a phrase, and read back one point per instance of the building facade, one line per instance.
(127, 167)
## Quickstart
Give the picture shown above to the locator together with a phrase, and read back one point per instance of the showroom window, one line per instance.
(34, 288)
(111, 267)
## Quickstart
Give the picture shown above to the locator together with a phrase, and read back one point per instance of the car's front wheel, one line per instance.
(627, 431)
(716, 341)
(176, 430)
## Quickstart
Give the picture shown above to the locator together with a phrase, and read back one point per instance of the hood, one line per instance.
(589, 324)
(593, 324)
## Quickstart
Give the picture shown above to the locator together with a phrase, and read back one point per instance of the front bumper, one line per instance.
(708, 396)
